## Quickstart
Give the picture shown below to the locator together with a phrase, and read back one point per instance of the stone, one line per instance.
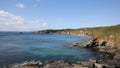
(30, 64)
(56, 64)
(78, 66)
(98, 65)
(93, 60)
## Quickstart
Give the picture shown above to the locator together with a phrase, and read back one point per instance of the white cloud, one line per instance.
(5, 16)
(3, 13)
(20, 6)
(11, 22)
(45, 25)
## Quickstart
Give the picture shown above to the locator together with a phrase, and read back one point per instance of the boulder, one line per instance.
(93, 60)
(98, 65)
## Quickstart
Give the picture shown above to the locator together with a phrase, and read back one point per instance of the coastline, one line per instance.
(110, 57)
(106, 47)
(103, 44)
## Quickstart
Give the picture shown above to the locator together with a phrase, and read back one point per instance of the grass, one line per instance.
(108, 32)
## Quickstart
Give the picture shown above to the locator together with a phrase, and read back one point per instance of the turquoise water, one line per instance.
(16, 47)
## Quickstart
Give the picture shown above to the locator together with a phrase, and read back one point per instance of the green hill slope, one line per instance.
(111, 33)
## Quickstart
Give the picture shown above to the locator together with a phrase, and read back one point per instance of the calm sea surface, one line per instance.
(16, 47)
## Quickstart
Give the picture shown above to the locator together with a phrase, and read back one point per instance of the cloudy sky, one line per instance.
(32, 15)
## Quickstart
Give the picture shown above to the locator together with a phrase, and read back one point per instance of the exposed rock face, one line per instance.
(91, 43)
(110, 53)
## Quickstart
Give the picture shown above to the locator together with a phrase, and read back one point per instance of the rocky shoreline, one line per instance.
(110, 53)
(91, 63)
(105, 40)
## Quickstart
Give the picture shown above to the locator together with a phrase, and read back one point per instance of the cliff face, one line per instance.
(109, 33)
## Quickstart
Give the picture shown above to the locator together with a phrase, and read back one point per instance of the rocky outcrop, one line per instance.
(110, 53)
(76, 45)
(91, 63)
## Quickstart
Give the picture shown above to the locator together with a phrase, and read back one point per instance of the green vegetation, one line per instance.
(111, 33)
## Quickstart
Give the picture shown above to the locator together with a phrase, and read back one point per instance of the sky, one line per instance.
(33, 15)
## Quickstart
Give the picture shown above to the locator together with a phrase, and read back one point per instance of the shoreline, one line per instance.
(101, 46)
(110, 53)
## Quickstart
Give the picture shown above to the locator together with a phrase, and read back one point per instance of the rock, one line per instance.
(86, 64)
(98, 65)
(56, 64)
(72, 45)
(102, 42)
(82, 45)
(77, 45)
(93, 60)
(78, 65)
(110, 53)
(116, 59)
(30, 64)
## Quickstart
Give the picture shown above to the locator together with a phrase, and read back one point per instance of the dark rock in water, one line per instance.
(21, 32)
(77, 45)
(90, 43)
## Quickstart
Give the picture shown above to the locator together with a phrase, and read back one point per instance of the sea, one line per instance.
(16, 47)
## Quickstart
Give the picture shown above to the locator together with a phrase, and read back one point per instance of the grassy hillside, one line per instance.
(111, 33)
